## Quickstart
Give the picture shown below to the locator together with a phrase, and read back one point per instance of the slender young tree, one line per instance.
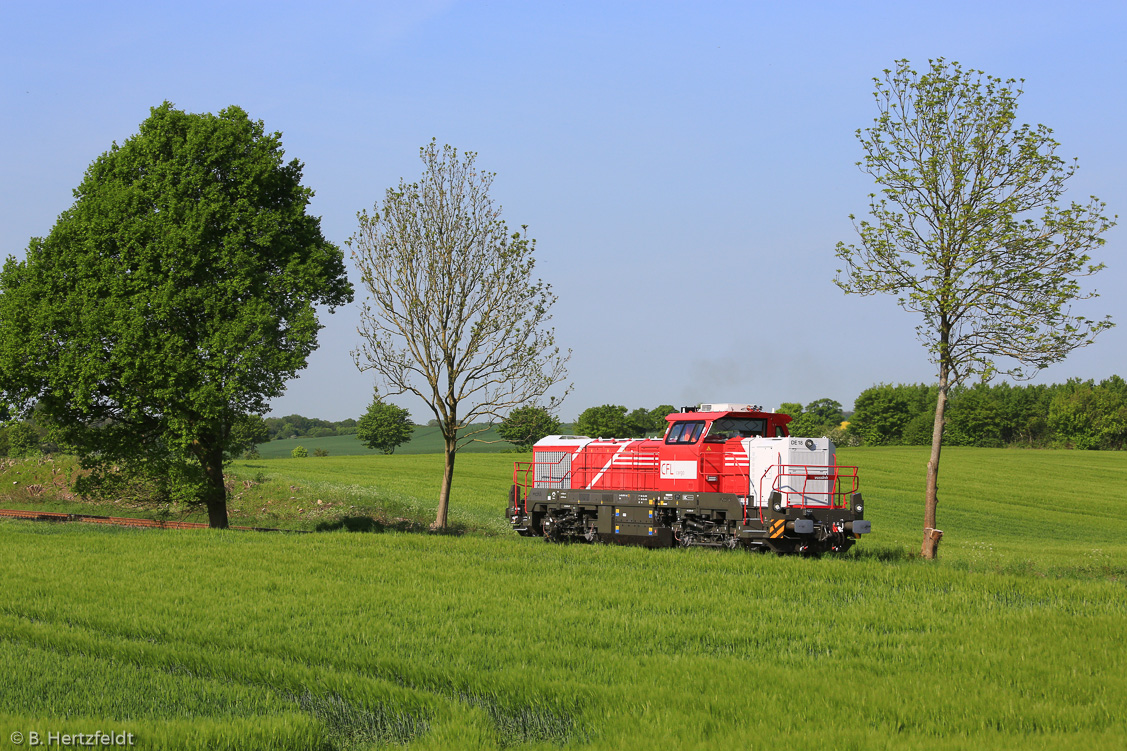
(170, 302)
(453, 315)
(970, 232)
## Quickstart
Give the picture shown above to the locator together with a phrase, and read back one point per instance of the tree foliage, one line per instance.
(658, 415)
(606, 421)
(640, 421)
(615, 421)
(526, 425)
(969, 231)
(881, 414)
(820, 417)
(247, 432)
(794, 409)
(454, 315)
(293, 426)
(22, 439)
(384, 426)
(1075, 414)
(1092, 416)
(649, 421)
(172, 299)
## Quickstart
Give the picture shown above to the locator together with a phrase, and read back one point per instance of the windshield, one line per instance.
(737, 427)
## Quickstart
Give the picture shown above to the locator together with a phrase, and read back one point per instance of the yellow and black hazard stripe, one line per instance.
(776, 528)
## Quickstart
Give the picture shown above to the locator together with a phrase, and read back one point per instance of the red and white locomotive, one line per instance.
(723, 475)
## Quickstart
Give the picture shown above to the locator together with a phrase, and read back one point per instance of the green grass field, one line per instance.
(1013, 639)
(426, 440)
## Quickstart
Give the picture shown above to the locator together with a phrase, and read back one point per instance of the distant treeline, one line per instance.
(296, 426)
(1074, 414)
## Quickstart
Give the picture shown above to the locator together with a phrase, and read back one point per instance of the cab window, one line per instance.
(685, 432)
(737, 427)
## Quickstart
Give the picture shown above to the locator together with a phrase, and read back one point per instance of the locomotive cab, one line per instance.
(727, 421)
(722, 474)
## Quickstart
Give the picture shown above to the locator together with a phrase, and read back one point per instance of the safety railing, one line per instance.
(815, 485)
(827, 484)
(523, 478)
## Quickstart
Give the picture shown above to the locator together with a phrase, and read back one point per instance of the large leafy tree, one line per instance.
(605, 421)
(969, 231)
(454, 316)
(640, 422)
(173, 299)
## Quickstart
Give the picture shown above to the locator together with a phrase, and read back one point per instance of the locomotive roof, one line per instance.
(677, 416)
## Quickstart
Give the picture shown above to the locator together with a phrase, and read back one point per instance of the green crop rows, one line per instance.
(337, 640)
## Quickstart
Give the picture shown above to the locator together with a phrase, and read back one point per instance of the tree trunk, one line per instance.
(447, 480)
(216, 498)
(930, 546)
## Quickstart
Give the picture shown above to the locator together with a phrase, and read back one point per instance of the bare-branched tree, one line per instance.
(969, 231)
(454, 315)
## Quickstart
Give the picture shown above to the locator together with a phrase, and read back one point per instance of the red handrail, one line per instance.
(836, 496)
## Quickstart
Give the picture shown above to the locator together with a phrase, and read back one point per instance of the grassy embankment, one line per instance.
(372, 492)
(1013, 639)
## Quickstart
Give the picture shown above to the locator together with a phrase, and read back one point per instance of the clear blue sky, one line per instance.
(653, 148)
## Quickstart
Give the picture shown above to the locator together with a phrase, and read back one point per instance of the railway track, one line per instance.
(123, 521)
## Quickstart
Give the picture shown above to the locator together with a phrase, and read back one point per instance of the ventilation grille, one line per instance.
(553, 469)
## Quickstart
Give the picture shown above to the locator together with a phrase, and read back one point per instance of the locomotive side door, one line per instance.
(679, 456)
(711, 467)
(727, 460)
